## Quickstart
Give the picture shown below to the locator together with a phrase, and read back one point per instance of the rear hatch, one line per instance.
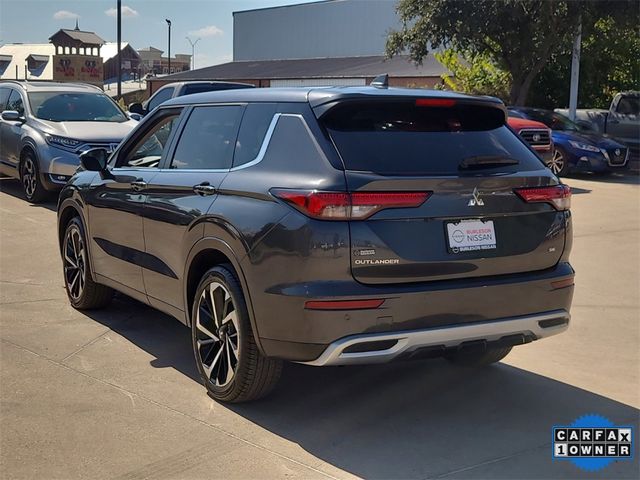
(476, 220)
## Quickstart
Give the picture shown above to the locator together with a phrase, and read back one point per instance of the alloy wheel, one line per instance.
(29, 178)
(217, 335)
(557, 162)
(74, 262)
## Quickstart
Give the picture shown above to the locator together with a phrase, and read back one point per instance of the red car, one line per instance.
(536, 134)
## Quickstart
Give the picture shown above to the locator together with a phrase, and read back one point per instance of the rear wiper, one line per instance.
(486, 161)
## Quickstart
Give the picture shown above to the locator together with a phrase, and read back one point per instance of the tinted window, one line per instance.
(15, 102)
(210, 87)
(161, 95)
(147, 151)
(553, 120)
(255, 123)
(75, 107)
(629, 106)
(208, 138)
(4, 96)
(401, 138)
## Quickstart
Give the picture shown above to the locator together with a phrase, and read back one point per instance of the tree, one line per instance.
(610, 63)
(520, 36)
(476, 74)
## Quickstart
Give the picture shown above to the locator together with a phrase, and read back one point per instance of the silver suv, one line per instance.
(45, 126)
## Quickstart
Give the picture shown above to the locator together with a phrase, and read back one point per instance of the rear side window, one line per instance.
(405, 138)
(255, 123)
(197, 88)
(161, 95)
(208, 138)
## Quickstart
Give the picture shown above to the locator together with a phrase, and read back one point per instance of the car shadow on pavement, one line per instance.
(12, 187)
(427, 419)
(154, 332)
(417, 419)
(628, 178)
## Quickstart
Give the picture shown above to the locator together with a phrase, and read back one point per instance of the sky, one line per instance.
(143, 22)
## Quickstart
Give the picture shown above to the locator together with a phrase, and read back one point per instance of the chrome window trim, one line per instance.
(269, 134)
(264, 146)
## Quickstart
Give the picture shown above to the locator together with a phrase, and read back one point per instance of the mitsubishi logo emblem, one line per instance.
(475, 200)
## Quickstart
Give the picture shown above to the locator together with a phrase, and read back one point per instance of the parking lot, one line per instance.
(115, 393)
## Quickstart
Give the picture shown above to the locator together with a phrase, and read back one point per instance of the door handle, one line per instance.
(138, 185)
(204, 189)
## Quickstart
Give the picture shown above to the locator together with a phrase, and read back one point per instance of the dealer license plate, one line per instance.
(471, 235)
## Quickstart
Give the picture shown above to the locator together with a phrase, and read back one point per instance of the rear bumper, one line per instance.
(287, 330)
(384, 347)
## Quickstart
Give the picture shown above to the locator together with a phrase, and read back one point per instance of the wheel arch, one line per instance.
(28, 147)
(208, 253)
(68, 209)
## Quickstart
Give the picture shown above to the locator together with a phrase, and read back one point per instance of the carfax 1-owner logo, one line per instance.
(592, 442)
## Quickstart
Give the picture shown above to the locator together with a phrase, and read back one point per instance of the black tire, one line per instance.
(32, 186)
(478, 359)
(232, 343)
(559, 164)
(82, 291)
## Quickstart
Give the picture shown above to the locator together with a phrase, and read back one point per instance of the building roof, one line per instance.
(283, 6)
(89, 38)
(150, 49)
(110, 50)
(19, 52)
(346, 67)
(39, 58)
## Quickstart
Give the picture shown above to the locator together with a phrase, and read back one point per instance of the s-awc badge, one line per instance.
(592, 442)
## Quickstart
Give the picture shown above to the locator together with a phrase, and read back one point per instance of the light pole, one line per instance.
(169, 43)
(119, 57)
(193, 52)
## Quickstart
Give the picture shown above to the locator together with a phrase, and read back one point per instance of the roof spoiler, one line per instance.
(381, 81)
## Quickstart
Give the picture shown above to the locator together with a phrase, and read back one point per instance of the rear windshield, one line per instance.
(401, 138)
(75, 107)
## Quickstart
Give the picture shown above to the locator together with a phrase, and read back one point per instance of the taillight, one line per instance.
(348, 206)
(559, 195)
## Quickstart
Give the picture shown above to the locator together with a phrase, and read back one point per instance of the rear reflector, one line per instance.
(435, 102)
(567, 282)
(343, 304)
(559, 195)
(348, 206)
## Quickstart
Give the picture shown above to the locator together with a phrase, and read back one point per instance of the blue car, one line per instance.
(576, 149)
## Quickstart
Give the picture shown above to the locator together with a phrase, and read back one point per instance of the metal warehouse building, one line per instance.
(331, 42)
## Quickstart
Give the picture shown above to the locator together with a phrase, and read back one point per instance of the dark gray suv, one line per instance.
(327, 226)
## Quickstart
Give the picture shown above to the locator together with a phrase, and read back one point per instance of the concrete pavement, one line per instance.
(114, 393)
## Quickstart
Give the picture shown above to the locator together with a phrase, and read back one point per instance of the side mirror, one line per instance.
(12, 116)
(94, 160)
(135, 116)
(136, 108)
